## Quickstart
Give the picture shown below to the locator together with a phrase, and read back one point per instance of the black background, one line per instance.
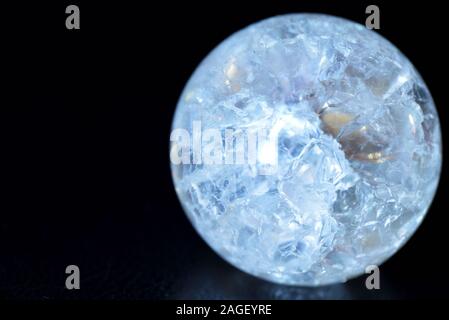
(85, 119)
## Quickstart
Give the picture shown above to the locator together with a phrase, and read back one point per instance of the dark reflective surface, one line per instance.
(210, 277)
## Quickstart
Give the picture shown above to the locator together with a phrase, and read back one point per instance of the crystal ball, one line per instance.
(305, 148)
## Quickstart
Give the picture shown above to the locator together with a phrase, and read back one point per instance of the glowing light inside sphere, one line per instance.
(358, 153)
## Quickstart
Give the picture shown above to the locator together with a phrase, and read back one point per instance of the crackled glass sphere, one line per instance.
(356, 158)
